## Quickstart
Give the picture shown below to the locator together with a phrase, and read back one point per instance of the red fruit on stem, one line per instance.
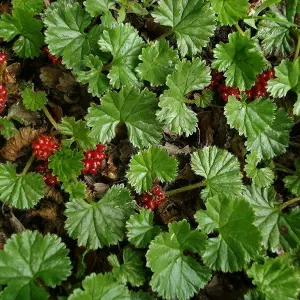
(48, 177)
(155, 197)
(44, 146)
(3, 58)
(93, 160)
(2, 103)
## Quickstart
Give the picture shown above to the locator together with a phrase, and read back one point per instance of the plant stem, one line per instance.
(163, 35)
(49, 116)
(188, 101)
(273, 20)
(289, 202)
(297, 48)
(28, 165)
(282, 168)
(239, 29)
(185, 189)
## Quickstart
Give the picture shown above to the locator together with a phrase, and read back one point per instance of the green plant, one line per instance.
(145, 91)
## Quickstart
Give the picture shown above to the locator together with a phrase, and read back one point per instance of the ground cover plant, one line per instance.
(150, 149)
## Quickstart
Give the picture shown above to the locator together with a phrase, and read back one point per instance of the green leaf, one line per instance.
(221, 171)
(66, 163)
(125, 45)
(97, 81)
(136, 8)
(288, 78)
(66, 36)
(276, 38)
(96, 7)
(133, 107)
(7, 128)
(266, 208)
(230, 11)
(188, 76)
(34, 5)
(204, 99)
(25, 30)
(292, 182)
(193, 22)
(101, 223)
(33, 100)
(20, 190)
(177, 117)
(140, 296)
(140, 229)
(28, 258)
(79, 132)
(132, 270)
(274, 140)
(254, 295)
(292, 9)
(261, 177)
(276, 279)
(238, 241)
(176, 275)
(150, 164)
(158, 61)
(252, 118)
(101, 286)
(290, 229)
(77, 190)
(240, 60)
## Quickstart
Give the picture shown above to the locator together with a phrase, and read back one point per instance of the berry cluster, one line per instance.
(93, 159)
(258, 90)
(44, 146)
(153, 198)
(48, 177)
(260, 87)
(52, 57)
(3, 90)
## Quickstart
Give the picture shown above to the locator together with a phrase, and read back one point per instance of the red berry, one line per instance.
(52, 57)
(155, 197)
(3, 91)
(150, 205)
(2, 103)
(93, 160)
(48, 177)
(3, 58)
(146, 197)
(270, 74)
(44, 146)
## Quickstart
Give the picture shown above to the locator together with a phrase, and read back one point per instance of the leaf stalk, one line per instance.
(185, 189)
(28, 165)
(50, 118)
(289, 202)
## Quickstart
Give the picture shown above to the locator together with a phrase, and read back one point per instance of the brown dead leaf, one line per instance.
(206, 128)
(50, 76)
(111, 170)
(14, 146)
(15, 223)
(53, 193)
(3, 239)
(11, 73)
(67, 83)
(100, 189)
(175, 150)
(20, 113)
(47, 211)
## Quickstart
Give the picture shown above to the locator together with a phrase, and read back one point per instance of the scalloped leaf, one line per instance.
(149, 164)
(78, 131)
(252, 118)
(274, 140)
(158, 61)
(20, 190)
(140, 229)
(22, 27)
(34, 5)
(292, 182)
(230, 11)
(221, 171)
(66, 163)
(132, 269)
(276, 279)
(133, 107)
(240, 60)
(7, 128)
(125, 45)
(66, 36)
(29, 257)
(261, 177)
(96, 7)
(34, 100)
(101, 286)
(238, 239)
(266, 208)
(193, 22)
(176, 275)
(101, 223)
